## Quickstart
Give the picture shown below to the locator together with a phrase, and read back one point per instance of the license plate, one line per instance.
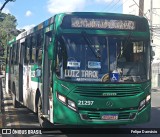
(110, 117)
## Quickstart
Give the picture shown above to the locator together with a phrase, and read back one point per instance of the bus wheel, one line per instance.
(42, 121)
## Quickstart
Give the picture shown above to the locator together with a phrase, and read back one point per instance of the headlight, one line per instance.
(61, 98)
(71, 105)
(67, 102)
(142, 104)
(148, 98)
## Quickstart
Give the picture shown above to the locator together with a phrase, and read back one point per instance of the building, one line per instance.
(151, 10)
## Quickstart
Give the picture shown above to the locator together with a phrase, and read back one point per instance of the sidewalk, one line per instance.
(6, 104)
(5, 98)
(1, 101)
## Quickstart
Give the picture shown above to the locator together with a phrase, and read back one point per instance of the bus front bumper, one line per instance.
(66, 116)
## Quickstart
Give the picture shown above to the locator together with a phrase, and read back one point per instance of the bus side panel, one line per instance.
(34, 85)
(30, 86)
(26, 90)
(16, 75)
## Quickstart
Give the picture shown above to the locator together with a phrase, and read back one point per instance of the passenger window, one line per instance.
(27, 49)
(14, 54)
(33, 49)
(17, 54)
(39, 48)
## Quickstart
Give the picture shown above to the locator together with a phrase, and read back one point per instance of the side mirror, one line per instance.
(50, 50)
(153, 53)
(38, 72)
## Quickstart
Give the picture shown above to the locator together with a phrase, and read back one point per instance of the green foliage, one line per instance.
(8, 29)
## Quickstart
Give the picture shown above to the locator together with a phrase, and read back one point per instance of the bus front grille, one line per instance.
(107, 91)
(91, 116)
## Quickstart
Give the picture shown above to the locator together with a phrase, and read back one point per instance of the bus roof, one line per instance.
(51, 21)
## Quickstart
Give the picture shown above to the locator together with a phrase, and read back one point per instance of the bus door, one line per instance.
(21, 70)
(26, 72)
(47, 76)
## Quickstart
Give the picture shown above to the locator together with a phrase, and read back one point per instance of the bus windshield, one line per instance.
(97, 58)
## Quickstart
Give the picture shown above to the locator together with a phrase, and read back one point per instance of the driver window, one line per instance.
(138, 51)
(132, 52)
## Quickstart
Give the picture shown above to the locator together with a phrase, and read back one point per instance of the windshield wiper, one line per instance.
(84, 34)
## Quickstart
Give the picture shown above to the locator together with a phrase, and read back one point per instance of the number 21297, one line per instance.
(85, 103)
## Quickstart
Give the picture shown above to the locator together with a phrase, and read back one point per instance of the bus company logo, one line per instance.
(109, 104)
(109, 94)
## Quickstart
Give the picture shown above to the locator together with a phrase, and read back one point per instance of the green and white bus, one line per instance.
(83, 68)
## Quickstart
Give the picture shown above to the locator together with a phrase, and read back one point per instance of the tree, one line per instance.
(7, 29)
(4, 4)
(2, 16)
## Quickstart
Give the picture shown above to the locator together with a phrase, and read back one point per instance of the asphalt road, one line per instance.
(24, 118)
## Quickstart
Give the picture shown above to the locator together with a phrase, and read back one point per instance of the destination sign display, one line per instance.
(102, 23)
